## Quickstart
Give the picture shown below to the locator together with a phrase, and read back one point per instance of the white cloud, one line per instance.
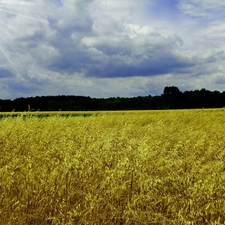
(202, 8)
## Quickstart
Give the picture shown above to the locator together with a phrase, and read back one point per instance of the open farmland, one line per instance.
(141, 167)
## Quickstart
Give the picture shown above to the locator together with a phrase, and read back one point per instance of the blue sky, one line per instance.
(110, 48)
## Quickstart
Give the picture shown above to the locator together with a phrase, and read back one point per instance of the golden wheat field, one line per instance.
(134, 168)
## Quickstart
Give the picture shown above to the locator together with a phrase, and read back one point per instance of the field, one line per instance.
(134, 168)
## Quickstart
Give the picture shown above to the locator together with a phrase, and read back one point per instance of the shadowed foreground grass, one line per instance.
(157, 167)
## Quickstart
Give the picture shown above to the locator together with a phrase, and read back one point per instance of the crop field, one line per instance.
(134, 168)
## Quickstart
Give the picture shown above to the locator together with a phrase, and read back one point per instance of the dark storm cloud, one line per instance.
(160, 65)
(122, 52)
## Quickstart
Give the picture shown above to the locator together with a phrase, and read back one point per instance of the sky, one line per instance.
(110, 48)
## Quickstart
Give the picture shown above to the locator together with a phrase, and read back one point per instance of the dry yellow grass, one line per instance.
(153, 167)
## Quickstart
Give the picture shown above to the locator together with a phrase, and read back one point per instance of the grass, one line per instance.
(136, 167)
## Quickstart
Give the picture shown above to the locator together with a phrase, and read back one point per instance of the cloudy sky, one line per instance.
(110, 48)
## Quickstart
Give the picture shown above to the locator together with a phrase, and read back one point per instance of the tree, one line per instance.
(171, 91)
(173, 97)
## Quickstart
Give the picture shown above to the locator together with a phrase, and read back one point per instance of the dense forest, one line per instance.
(172, 98)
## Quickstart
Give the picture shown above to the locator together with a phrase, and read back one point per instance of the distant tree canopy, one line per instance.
(172, 98)
(171, 90)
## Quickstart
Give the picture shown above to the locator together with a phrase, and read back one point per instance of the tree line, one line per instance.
(172, 98)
